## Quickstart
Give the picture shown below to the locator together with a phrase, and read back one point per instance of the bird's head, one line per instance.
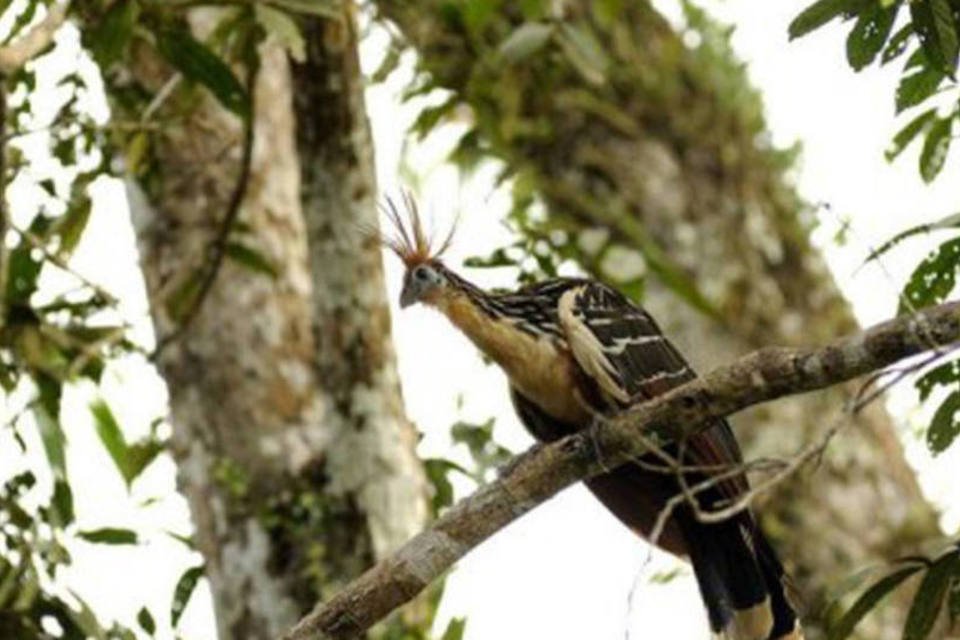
(426, 279)
(424, 282)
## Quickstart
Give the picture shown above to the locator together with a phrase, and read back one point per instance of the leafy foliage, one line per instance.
(578, 79)
(182, 593)
(927, 38)
(933, 598)
(486, 457)
(929, 33)
(55, 338)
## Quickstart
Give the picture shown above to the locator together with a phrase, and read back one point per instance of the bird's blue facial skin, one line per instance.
(419, 283)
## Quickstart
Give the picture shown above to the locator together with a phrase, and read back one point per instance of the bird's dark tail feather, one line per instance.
(743, 584)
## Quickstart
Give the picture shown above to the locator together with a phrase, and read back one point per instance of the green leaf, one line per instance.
(455, 629)
(430, 116)
(916, 87)
(868, 600)
(71, 226)
(16, 515)
(934, 22)
(499, 258)
(945, 425)
(484, 450)
(22, 273)
(24, 17)
(945, 375)
(198, 63)
(897, 44)
(62, 503)
(185, 540)
(47, 415)
(285, 29)
(109, 535)
(930, 595)
(182, 592)
(949, 222)
(86, 619)
(524, 41)
(110, 433)
(139, 456)
(388, 64)
(869, 34)
(953, 600)
(817, 15)
(584, 51)
(110, 36)
(130, 460)
(438, 470)
(146, 621)
(935, 148)
(933, 279)
(906, 135)
(250, 258)
(182, 298)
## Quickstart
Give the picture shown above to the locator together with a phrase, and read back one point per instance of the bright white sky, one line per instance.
(567, 571)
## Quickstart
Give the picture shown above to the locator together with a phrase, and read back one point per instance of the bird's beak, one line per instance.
(409, 295)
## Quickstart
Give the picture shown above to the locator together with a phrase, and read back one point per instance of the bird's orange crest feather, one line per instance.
(408, 239)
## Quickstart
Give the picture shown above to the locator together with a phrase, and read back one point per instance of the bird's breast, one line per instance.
(542, 369)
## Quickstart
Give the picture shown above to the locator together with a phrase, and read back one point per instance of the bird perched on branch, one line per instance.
(575, 349)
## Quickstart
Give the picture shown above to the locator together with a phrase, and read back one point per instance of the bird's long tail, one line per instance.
(741, 580)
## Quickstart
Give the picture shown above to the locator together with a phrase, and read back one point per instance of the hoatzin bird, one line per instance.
(574, 349)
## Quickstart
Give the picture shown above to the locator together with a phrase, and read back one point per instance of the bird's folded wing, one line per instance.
(622, 349)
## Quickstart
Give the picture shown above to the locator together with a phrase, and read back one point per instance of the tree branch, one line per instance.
(539, 474)
(16, 54)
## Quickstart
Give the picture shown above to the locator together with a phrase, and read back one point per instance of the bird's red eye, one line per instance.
(421, 273)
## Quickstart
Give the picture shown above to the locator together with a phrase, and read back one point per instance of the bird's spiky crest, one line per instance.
(408, 239)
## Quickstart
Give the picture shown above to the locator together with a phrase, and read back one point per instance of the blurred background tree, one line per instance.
(634, 147)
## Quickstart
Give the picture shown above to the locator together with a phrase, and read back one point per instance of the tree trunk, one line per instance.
(618, 125)
(289, 432)
(372, 443)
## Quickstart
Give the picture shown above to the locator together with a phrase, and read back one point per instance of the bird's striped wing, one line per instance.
(622, 349)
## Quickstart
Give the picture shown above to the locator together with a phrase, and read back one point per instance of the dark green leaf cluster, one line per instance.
(932, 282)
(937, 596)
(926, 33)
(32, 555)
(486, 456)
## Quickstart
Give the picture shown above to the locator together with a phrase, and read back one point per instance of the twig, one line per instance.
(161, 96)
(217, 251)
(16, 54)
(761, 376)
(786, 468)
(57, 260)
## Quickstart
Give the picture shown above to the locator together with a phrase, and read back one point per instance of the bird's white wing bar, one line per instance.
(587, 349)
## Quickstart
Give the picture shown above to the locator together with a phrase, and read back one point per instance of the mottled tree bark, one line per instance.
(289, 432)
(618, 125)
(373, 451)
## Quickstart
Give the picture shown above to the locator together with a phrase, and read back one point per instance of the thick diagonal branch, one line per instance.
(758, 377)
